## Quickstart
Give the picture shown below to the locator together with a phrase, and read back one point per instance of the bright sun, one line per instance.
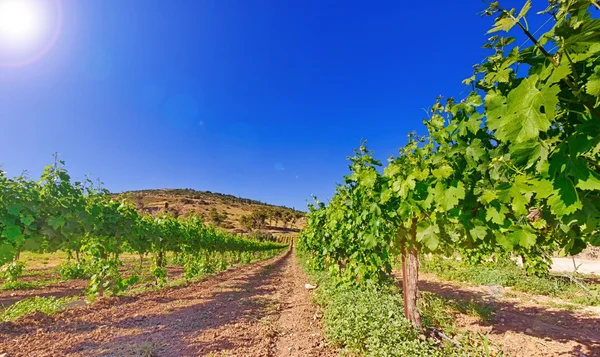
(21, 22)
(28, 30)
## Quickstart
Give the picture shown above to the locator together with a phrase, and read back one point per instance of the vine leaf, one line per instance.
(13, 233)
(586, 179)
(56, 222)
(525, 154)
(27, 220)
(478, 232)
(451, 196)
(526, 7)
(593, 86)
(526, 112)
(428, 234)
(565, 201)
(503, 241)
(503, 24)
(523, 237)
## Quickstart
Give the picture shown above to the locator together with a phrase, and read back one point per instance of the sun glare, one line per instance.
(21, 22)
(28, 30)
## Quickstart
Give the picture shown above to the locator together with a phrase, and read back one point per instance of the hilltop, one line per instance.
(235, 214)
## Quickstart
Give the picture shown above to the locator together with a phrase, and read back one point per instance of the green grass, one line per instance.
(508, 274)
(370, 322)
(26, 285)
(440, 312)
(47, 305)
(21, 285)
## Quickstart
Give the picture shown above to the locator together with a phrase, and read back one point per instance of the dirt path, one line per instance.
(521, 326)
(256, 310)
(583, 265)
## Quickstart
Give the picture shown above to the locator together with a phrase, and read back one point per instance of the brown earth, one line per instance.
(260, 309)
(524, 325)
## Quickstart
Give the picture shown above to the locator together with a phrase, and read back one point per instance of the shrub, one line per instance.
(262, 236)
(75, 270)
(12, 271)
(47, 305)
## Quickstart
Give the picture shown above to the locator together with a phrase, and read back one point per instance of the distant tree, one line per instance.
(294, 217)
(287, 218)
(260, 218)
(217, 218)
(270, 211)
(247, 222)
(277, 216)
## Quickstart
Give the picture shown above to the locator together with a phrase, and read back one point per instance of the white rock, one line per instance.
(309, 286)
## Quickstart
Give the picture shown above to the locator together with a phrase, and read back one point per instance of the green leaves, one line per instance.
(367, 178)
(444, 171)
(585, 178)
(524, 113)
(56, 222)
(503, 24)
(479, 232)
(507, 21)
(521, 174)
(525, 154)
(13, 234)
(428, 234)
(565, 200)
(523, 237)
(495, 216)
(524, 10)
(593, 85)
(446, 198)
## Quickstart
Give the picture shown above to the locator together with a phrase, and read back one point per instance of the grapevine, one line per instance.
(55, 213)
(511, 169)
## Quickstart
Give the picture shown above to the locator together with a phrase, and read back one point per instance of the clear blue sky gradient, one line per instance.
(262, 99)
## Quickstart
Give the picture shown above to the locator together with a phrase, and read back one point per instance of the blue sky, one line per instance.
(263, 99)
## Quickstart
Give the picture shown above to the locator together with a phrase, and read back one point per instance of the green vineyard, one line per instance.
(510, 170)
(56, 214)
(478, 237)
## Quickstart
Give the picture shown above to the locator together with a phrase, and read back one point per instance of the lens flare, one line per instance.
(20, 22)
(28, 30)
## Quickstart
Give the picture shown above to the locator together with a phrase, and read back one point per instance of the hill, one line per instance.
(235, 214)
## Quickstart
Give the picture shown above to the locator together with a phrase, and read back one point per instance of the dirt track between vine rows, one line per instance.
(524, 325)
(261, 309)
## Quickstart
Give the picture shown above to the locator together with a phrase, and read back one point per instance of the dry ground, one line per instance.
(525, 325)
(261, 309)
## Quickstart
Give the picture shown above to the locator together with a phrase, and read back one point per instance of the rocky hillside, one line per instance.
(236, 214)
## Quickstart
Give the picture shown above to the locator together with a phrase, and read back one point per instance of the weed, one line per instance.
(20, 285)
(370, 321)
(508, 274)
(75, 270)
(12, 271)
(560, 305)
(47, 305)
(440, 312)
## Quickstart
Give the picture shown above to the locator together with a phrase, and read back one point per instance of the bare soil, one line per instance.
(64, 288)
(261, 309)
(523, 324)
